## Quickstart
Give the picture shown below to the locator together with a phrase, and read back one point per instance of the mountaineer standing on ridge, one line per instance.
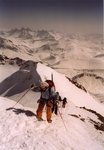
(46, 99)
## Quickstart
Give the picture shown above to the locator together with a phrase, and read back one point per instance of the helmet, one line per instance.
(44, 85)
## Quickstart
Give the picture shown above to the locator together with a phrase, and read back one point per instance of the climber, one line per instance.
(46, 99)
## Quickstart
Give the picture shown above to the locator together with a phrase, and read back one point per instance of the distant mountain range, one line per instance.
(71, 54)
(63, 45)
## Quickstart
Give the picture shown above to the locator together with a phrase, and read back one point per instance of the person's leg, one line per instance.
(56, 109)
(53, 108)
(40, 110)
(49, 111)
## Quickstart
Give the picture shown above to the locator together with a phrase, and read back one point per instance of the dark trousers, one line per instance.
(55, 109)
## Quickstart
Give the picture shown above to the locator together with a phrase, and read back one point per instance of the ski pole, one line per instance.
(62, 120)
(24, 95)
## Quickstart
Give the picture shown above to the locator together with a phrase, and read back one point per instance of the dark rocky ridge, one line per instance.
(21, 79)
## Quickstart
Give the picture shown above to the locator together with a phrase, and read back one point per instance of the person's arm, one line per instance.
(53, 93)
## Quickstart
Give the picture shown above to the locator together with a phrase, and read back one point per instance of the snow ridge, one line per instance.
(22, 132)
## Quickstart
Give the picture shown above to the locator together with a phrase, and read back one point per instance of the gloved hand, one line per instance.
(32, 86)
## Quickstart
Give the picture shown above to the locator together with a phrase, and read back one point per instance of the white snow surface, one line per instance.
(23, 132)
(20, 132)
(69, 90)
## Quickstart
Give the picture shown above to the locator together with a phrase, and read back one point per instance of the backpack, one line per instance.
(51, 84)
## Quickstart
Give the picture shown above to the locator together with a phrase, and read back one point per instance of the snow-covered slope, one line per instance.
(32, 72)
(90, 80)
(66, 46)
(20, 130)
(80, 126)
(67, 89)
(71, 54)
